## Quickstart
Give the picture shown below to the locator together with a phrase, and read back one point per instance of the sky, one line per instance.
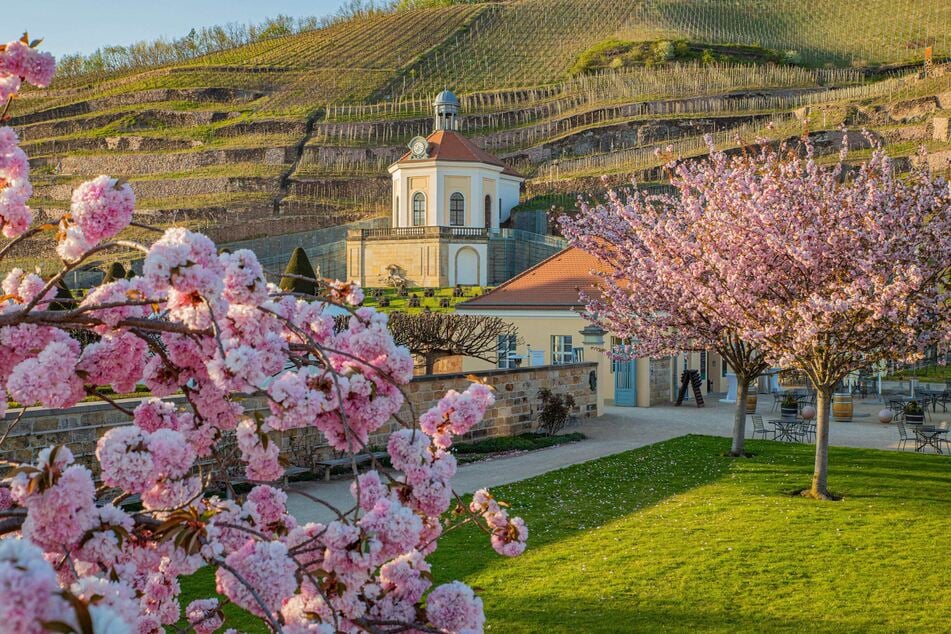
(71, 26)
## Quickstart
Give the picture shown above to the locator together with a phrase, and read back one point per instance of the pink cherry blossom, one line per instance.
(204, 615)
(453, 608)
(58, 516)
(102, 207)
(27, 585)
(267, 505)
(153, 414)
(49, 378)
(209, 330)
(116, 360)
(9, 86)
(115, 293)
(125, 459)
(260, 454)
(34, 66)
(267, 568)
(23, 287)
(15, 187)
(118, 596)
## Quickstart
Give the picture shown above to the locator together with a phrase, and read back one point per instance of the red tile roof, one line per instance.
(552, 284)
(449, 145)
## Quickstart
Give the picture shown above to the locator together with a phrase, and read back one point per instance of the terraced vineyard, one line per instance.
(873, 32)
(295, 133)
(543, 38)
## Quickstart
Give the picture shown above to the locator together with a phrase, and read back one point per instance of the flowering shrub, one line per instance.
(209, 326)
(555, 410)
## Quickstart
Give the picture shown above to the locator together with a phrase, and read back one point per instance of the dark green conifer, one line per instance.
(64, 298)
(299, 264)
(115, 272)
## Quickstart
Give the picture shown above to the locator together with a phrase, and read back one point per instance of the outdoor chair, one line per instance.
(760, 428)
(777, 399)
(898, 409)
(942, 399)
(943, 438)
(903, 436)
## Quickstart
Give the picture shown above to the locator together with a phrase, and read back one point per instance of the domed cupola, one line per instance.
(446, 106)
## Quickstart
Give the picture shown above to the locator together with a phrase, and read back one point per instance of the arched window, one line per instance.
(457, 210)
(488, 212)
(419, 209)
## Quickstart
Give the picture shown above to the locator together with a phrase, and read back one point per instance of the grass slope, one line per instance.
(677, 537)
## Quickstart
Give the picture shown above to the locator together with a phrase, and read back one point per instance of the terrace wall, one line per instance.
(512, 251)
(514, 412)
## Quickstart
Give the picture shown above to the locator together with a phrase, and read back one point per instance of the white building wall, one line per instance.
(481, 249)
(509, 192)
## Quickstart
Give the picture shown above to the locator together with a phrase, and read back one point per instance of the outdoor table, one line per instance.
(928, 396)
(786, 428)
(929, 435)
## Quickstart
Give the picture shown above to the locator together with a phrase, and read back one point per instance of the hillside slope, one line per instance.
(295, 133)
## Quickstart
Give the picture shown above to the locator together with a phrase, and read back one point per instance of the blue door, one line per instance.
(625, 383)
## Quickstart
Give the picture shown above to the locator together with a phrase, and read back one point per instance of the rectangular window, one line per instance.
(506, 351)
(457, 210)
(561, 350)
(703, 365)
(419, 209)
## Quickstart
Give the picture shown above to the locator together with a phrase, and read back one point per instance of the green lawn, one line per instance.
(926, 373)
(397, 303)
(478, 450)
(678, 537)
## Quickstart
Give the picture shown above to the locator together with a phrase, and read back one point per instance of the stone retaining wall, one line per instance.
(178, 187)
(141, 164)
(514, 412)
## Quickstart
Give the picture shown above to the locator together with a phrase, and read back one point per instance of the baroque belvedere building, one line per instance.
(449, 199)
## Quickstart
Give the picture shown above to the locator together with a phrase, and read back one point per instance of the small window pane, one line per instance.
(457, 210)
(506, 351)
(419, 209)
(561, 350)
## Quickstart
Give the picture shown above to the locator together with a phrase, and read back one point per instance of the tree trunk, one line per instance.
(819, 488)
(430, 362)
(739, 417)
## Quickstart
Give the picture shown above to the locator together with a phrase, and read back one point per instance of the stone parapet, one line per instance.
(514, 412)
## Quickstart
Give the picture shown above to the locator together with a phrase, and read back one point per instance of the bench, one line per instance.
(328, 464)
(288, 473)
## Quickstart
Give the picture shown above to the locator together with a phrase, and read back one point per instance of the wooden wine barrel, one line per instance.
(842, 407)
(751, 403)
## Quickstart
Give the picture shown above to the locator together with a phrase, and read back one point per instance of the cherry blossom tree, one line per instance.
(814, 266)
(209, 328)
(648, 294)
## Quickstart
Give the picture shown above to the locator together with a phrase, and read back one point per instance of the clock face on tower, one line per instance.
(419, 147)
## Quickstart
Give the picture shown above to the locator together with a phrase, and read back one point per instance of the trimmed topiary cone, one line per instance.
(115, 272)
(64, 298)
(299, 264)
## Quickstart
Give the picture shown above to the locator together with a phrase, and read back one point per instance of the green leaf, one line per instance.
(82, 612)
